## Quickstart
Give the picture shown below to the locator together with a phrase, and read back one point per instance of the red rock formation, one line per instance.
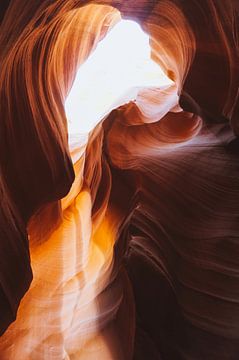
(133, 237)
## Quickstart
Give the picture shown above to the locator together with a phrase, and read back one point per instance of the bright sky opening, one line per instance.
(112, 76)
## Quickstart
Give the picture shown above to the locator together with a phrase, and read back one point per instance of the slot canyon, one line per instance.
(119, 180)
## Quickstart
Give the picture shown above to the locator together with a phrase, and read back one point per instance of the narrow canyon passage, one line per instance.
(119, 180)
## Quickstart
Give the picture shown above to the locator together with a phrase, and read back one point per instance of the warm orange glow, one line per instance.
(119, 180)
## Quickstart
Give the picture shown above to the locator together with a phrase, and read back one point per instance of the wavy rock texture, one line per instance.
(125, 246)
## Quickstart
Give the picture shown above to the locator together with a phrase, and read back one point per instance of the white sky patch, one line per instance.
(112, 76)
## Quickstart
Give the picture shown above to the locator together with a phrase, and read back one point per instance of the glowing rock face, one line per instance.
(119, 241)
(112, 76)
